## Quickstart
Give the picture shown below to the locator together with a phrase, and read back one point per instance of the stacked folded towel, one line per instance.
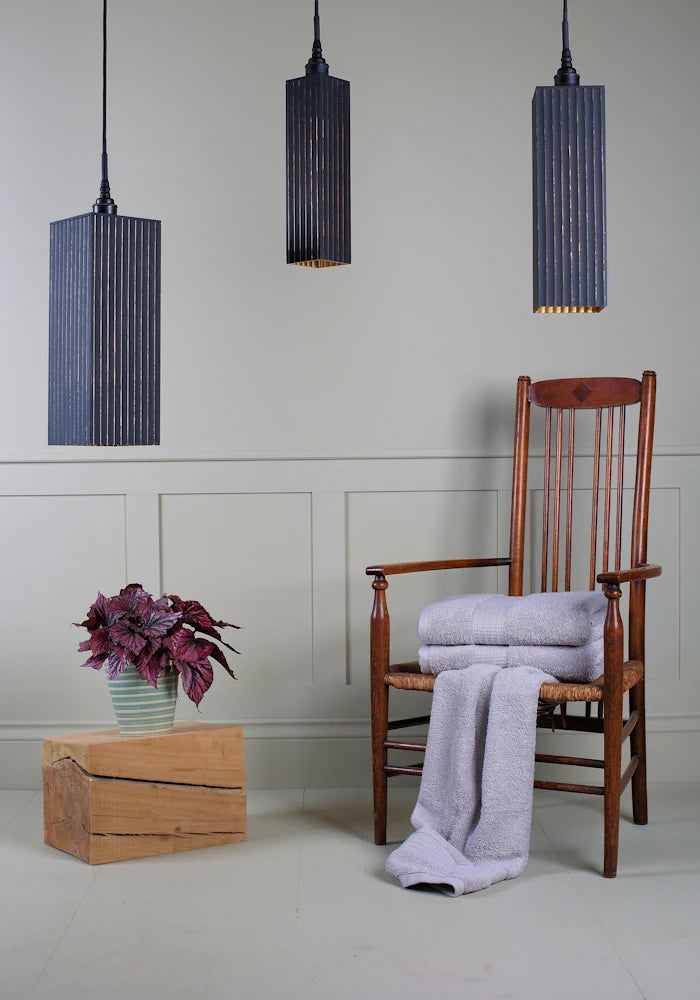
(560, 633)
(568, 663)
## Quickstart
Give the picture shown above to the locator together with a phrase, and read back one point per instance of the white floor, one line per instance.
(304, 909)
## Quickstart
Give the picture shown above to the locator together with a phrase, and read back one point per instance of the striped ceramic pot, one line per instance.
(141, 709)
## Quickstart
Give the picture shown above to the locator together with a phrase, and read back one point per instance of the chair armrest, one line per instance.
(645, 572)
(391, 569)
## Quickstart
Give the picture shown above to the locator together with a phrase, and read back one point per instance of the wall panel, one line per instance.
(247, 558)
(57, 552)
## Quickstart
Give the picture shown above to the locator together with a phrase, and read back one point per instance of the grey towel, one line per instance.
(472, 819)
(568, 663)
(563, 619)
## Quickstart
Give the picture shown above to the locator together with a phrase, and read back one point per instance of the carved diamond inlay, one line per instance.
(581, 392)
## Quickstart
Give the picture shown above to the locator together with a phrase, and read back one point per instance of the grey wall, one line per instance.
(316, 421)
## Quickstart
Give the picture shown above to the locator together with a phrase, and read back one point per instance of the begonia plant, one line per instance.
(155, 636)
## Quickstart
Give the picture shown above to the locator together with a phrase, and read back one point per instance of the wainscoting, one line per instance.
(278, 544)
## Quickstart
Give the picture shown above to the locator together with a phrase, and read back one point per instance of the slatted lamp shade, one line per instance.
(104, 322)
(318, 164)
(568, 124)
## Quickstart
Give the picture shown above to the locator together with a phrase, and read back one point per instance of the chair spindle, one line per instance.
(569, 500)
(545, 500)
(620, 477)
(557, 501)
(608, 490)
(596, 490)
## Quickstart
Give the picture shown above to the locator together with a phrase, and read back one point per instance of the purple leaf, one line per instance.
(158, 621)
(194, 614)
(117, 662)
(216, 635)
(196, 681)
(191, 658)
(125, 633)
(163, 603)
(158, 657)
(132, 600)
(188, 648)
(100, 641)
(95, 662)
(219, 656)
(150, 671)
(98, 614)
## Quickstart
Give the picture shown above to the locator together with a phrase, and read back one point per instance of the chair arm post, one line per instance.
(379, 630)
(613, 641)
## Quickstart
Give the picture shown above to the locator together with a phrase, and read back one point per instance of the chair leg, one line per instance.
(379, 692)
(380, 728)
(613, 762)
(638, 746)
(612, 726)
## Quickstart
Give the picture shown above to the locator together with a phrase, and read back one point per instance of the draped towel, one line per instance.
(472, 819)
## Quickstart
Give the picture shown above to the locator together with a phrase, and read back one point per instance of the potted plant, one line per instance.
(146, 645)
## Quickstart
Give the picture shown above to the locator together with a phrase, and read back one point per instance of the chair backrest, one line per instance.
(606, 401)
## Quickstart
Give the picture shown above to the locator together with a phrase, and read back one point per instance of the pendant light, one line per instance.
(318, 164)
(104, 320)
(568, 123)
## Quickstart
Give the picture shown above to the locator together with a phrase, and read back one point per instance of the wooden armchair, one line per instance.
(608, 398)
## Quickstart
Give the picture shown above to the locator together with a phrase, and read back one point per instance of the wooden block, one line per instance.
(109, 797)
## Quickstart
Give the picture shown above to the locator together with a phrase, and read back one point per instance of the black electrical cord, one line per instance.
(104, 203)
(566, 75)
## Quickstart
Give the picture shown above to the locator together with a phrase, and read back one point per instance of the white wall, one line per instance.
(298, 404)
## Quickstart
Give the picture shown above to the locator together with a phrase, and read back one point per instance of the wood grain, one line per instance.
(645, 572)
(379, 695)
(101, 818)
(392, 569)
(585, 393)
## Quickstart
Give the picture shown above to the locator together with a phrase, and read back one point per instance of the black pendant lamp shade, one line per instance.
(104, 322)
(318, 164)
(568, 124)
